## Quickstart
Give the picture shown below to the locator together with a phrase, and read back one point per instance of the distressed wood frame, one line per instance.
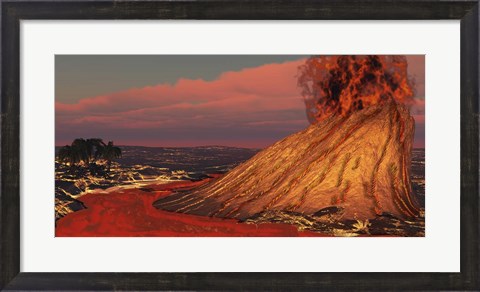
(13, 11)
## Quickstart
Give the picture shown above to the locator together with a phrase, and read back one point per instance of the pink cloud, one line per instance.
(261, 84)
(238, 108)
(233, 98)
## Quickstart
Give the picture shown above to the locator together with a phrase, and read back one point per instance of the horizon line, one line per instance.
(203, 146)
(199, 146)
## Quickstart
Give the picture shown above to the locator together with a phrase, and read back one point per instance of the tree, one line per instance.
(94, 148)
(80, 149)
(71, 155)
(88, 151)
(67, 154)
(109, 152)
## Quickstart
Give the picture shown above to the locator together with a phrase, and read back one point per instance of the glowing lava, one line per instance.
(129, 212)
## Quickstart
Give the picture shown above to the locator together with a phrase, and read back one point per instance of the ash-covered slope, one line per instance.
(359, 164)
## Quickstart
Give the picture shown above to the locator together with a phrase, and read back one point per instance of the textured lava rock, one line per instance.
(359, 164)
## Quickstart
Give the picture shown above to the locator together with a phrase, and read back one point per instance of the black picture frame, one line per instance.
(14, 11)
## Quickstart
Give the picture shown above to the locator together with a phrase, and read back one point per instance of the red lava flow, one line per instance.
(129, 212)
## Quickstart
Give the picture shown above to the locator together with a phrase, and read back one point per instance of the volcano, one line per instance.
(356, 166)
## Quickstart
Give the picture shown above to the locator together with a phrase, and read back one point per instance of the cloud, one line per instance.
(263, 99)
(255, 106)
(416, 70)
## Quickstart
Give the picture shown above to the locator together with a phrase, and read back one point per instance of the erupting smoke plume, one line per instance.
(344, 84)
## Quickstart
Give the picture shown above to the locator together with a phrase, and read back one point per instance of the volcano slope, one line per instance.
(358, 166)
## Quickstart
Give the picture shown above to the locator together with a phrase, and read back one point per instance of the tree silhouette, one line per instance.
(109, 152)
(68, 154)
(88, 151)
(94, 148)
(80, 148)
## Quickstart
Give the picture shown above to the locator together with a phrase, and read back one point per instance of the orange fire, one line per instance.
(344, 84)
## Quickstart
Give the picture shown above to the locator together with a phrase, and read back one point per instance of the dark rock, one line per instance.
(327, 211)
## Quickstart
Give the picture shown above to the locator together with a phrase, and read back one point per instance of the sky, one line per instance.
(172, 100)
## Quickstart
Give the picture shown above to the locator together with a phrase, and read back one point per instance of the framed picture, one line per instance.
(239, 145)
